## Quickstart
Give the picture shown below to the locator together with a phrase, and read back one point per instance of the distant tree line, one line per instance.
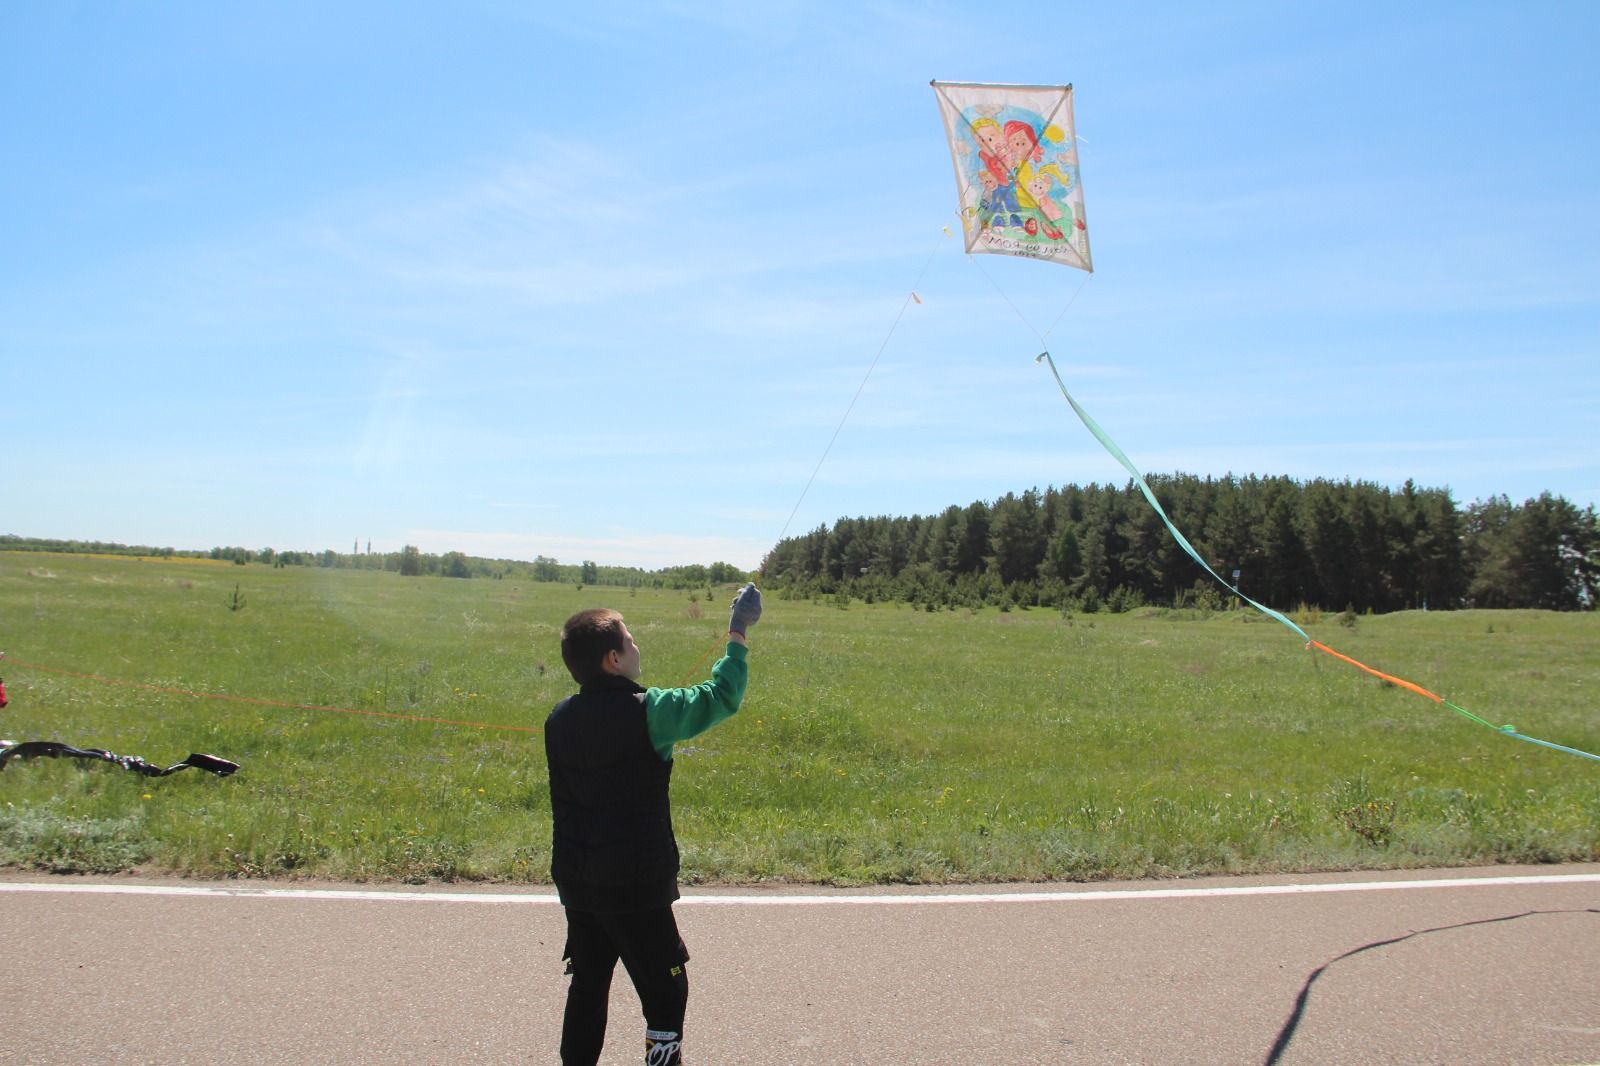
(412, 562)
(13, 543)
(1330, 544)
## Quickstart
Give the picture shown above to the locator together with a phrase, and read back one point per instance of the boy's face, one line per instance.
(625, 662)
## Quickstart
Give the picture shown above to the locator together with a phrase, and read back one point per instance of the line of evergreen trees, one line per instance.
(1331, 544)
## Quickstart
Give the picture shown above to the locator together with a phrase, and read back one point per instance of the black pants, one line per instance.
(650, 948)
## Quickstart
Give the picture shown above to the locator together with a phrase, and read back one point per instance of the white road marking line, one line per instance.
(1087, 895)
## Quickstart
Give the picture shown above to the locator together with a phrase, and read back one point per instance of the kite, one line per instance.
(1016, 160)
(30, 749)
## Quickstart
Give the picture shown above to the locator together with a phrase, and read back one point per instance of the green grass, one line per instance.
(877, 743)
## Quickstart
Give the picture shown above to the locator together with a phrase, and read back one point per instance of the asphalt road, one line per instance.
(1206, 971)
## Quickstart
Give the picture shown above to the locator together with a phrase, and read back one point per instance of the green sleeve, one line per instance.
(675, 714)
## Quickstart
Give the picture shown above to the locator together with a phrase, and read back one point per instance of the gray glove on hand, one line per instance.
(746, 609)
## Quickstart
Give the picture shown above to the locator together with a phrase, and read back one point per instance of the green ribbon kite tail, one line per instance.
(1138, 479)
(1183, 542)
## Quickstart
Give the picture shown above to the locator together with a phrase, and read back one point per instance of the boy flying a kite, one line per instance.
(614, 857)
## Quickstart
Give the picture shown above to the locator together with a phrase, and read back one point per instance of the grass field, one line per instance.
(877, 743)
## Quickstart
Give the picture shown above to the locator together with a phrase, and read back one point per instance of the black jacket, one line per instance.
(613, 848)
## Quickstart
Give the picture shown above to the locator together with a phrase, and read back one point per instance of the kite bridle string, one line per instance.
(1044, 340)
(1002, 294)
(1043, 337)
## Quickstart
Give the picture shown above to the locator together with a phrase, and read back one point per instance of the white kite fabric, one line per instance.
(1016, 159)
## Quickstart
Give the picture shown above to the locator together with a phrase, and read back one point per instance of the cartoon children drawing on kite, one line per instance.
(1022, 151)
(1015, 159)
(996, 176)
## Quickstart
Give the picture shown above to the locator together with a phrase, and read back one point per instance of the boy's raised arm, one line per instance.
(676, 714)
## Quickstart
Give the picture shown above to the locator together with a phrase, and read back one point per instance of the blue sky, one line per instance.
(600, 281)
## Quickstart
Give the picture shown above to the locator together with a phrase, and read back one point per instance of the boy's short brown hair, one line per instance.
(586, 639)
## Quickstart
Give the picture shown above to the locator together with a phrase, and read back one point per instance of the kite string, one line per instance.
(837, 429)
(1139, 480)
(911, 294)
